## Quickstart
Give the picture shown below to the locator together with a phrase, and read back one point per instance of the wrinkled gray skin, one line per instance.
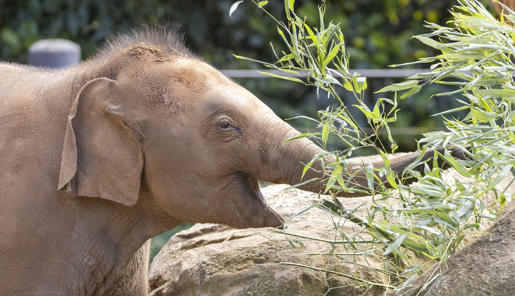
(97, 159)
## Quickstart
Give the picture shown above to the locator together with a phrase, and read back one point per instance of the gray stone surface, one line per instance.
(211, 259)
(485, 267)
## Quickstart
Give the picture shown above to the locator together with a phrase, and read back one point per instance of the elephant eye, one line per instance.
(225, 125)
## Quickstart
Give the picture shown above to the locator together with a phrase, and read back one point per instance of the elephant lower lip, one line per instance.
(254, 184)
(255, 211)
(274, 219)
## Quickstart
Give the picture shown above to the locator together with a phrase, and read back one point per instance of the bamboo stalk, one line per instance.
(340, 274)
(327, 240)
(508, 3)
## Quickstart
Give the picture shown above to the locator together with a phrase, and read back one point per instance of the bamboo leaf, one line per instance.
(428, 41)
(307, 167)
(368, 113)
(262, 3)
(395, 244)
(329, 185)
(294, 79)
(399, 86)
(359, 83)
(332, 54)
(304, 135)
(312, 35)
(325, 132)
(482, 115)
(234, 6)
(411, 92)
(290, 4)
(286, 58)
(348, 86)
(390, 176)
(456, 165)
(497, 93)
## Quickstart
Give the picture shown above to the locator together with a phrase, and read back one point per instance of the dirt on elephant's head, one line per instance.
(159, 67)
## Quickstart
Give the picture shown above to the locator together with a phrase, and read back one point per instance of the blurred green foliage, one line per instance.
(377, 33)
(159, 241)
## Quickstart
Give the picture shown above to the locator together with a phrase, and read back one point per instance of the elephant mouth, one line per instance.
(263, 216)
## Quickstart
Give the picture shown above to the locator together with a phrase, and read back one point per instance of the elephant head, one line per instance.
(196, 140)
(174, 128)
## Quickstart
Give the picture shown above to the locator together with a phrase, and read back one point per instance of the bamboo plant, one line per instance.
(430, 217)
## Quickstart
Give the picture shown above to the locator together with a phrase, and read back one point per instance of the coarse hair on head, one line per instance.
(169, 39)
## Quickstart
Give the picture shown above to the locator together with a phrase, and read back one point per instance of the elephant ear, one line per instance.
(102, 155)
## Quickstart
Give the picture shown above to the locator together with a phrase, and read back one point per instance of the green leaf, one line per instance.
(289, 71)
(430, 229)
(369, 173)
(390, 176)
(367, 113)
(456, 165)
(332, 54)
(452, 110)
(325, 132)
(341, 181)
(234, 6)
(497, 93)
(376, 110)
(312, 35)
(411, 92)
(253, 60)
(511, 116)
(505, 171)
(428, 41)
(337, 171)
(348, 86)
(304, 135)
(290, 4)
(330, 184)
(359, 83)
(483, 116)
(262, 3)
(283, 37)
(294, 79)
(399, 86)
(395, 244)
(307, 167)
(286, 58)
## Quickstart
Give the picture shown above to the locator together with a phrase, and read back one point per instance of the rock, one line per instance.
(211, 259)
(486, 267)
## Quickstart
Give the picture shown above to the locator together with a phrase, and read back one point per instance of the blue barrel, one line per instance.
(54, 53)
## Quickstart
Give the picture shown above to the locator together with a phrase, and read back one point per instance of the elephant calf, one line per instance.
(98, 158)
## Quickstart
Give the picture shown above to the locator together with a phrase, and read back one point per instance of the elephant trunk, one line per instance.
(285, 160)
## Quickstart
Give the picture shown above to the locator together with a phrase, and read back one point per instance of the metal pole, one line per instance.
(369, 73)
(54, 53)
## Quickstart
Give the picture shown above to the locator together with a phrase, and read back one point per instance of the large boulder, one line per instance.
(211, 259)
(486, 267)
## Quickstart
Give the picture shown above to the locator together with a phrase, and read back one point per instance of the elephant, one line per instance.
(98, 158)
